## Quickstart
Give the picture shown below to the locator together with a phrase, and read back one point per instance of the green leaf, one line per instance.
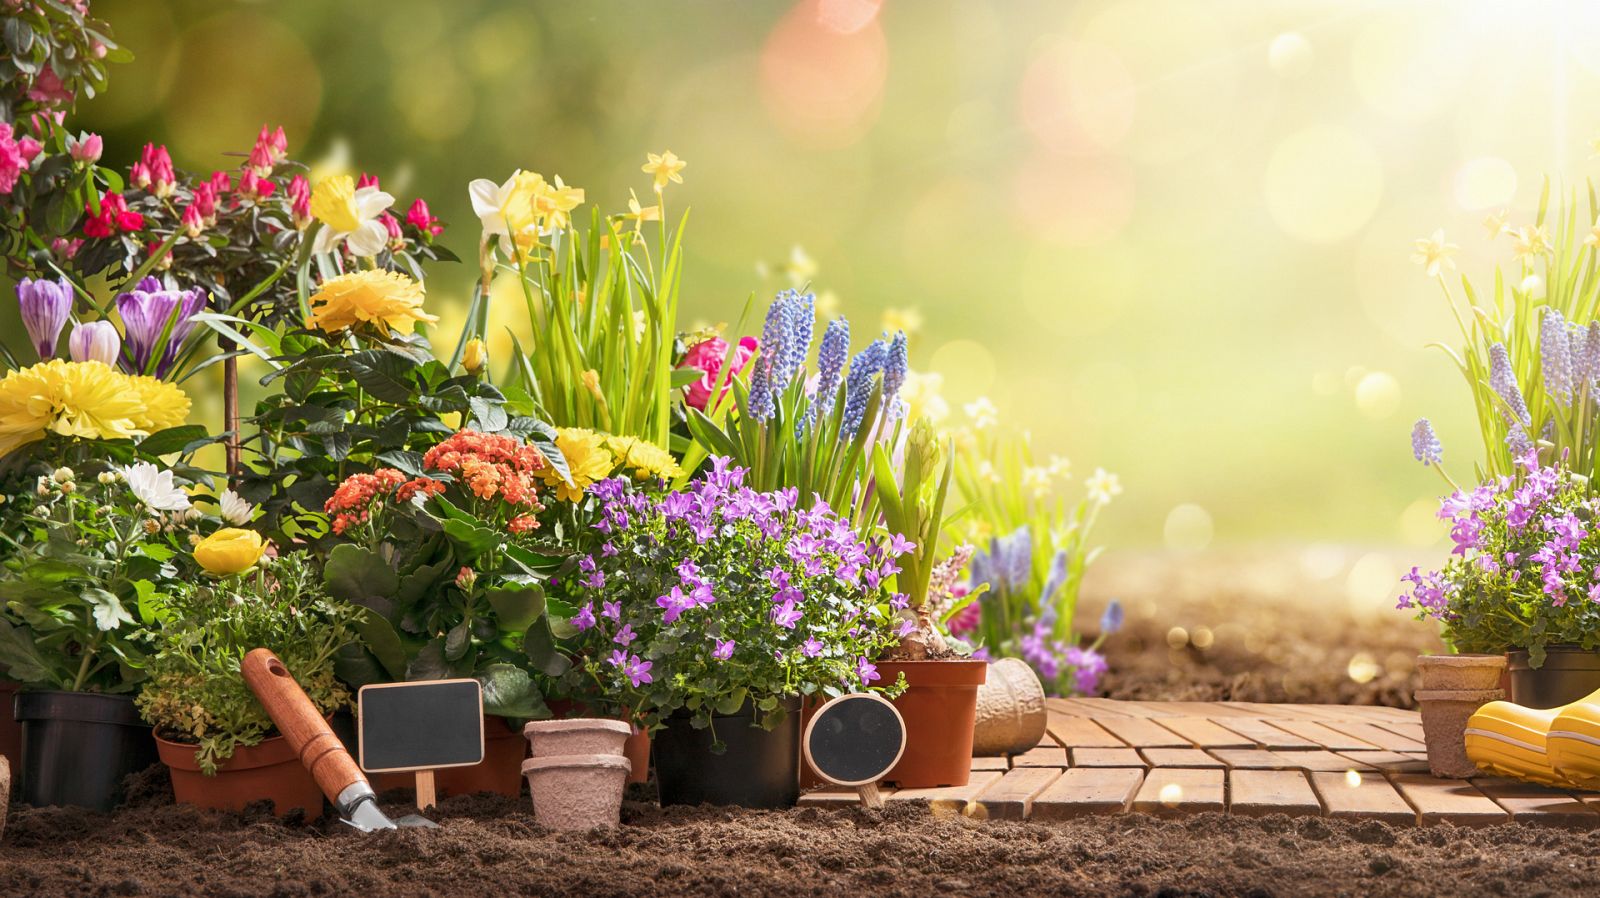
(431, 664)
(384, 374)
(470, 540)
(383, 643)
(21, 657)
(516, 605)
(508, 691)
(457, 641)
(540, 646)
(488, 416)
(173, 439)
(359, 576)
(733, 701)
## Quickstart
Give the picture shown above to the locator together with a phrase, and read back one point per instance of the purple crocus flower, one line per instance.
(1425, 444)
(95, 341)
(724, 650)
(45, 306)
(145, 311)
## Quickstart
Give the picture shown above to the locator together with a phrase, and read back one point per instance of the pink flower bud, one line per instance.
(300, 201)
(193, 221)
(139, 175)
(86, 148)
(421, 218)
(366, 180)
(221, 183)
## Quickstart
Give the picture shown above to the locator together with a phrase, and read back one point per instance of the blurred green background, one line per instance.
(1170, 238)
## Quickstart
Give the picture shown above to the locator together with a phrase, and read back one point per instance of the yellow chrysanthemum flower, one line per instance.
(83, 399)
(647, 460)
(588, 460)
(380, 298)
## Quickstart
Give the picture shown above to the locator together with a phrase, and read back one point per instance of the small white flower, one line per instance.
(983, 413)
(154, 487)
(234, 509)
(1102, 486)
(63, 475)
(987, 472)
(109, 613)
(108, 477)
(1060, 467)
(1036, 481)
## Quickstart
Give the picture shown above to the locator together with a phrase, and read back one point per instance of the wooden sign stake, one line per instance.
(870, 796)
(865, 782)
(425, 794)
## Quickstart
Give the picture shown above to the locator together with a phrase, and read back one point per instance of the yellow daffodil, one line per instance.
(646, 460)
(385, 299)
(474, 356)
(664, 167)
(1593, 238)
(588, 460)
(1036, 481)
(1433, 253)
(1529, 241)
(908, 320)
(349, 215)
(1102, 486)
(640, 214)
(509, 210)
(555, 203)
(1495, 223)
(229, 551)
(84, 399)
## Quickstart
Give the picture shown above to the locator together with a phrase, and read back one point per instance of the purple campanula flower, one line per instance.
(673, 604)
(907, 627)
(724, 650)
(1087, 668)
(625, 636)
(866, 671)
(1555, 355)
(899, 601)
(95, 341)
(607, 550)
(786, 615)
(612, 610)
(596, 580)
(586, 564)
(45, 306)
(1425, 444)
(899, 545)
(637, 671)
(812, 647)
(146, 311)
(584, 619)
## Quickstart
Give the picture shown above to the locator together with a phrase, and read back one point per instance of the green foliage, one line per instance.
(54, 36)
(195, 693)
(913, 507)
(86, 573)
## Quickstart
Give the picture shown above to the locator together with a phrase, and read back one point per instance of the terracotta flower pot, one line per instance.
(636, 749)
(577, 791)
(1011, 712)
(1445, 713)
(269, 770)
(500, 773)
(939, 707)
(577, 736)
(1568, 674)
(1461, 671)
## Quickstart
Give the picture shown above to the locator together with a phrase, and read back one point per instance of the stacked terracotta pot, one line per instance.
(1453, 687)
(577, 771)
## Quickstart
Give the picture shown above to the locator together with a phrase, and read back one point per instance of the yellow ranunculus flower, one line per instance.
(588, 460)
(384, 298)
(645, 459)
(229, 551)
(84, 399)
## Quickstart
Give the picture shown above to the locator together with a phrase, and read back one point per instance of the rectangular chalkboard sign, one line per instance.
(420, 726)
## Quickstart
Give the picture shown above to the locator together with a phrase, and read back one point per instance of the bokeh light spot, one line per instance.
(1419, 523)
(1188, 528)
(1485, 182)
(819, 84)
(208, 114)
(1363, 668)
(1080, 200)
(1323, 183)
(966, 363)
(1372, 584)
(1078, 98)
(1378, 395)
(1289, 54)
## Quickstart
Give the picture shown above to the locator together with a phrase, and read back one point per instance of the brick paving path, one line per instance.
(1102, 756)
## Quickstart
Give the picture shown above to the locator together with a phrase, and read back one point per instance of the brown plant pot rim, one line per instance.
(1461, 660)
(611, 762)
(1460, 695)
(949, 672)
(270, 751)
(577, 724)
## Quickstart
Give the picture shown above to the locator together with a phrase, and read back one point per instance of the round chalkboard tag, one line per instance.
(854, 740)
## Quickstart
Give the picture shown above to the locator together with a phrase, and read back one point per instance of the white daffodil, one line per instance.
(234, 509)
(154, 487)
(349, 215)
(983, 413)
(1102, 486)
(507, 210)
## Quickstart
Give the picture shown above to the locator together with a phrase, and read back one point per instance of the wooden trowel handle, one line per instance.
(297, 719)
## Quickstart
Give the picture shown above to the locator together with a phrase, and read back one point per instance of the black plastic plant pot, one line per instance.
(760, 769)
(77, 747)
(1569, 673)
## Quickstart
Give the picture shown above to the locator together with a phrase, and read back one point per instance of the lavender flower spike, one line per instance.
(858, 386)
(1425, 444)
(145, 311)
(831, 358)
(894, 375)
(1555, 355)
(1504, 383)
(45, 305)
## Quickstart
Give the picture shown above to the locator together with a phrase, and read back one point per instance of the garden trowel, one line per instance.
(321, 752)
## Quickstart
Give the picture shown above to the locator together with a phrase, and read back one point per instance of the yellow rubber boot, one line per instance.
(1574, 742)
(1510, 740)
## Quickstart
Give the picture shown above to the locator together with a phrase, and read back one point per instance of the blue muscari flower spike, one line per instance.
(799, 319)
(763, 380)
(1425, 443)
(1555, 355)
(1504, 382)
(1111, 620)
(1057, 578)
(831, 358)
(894, 375)
(858, 386)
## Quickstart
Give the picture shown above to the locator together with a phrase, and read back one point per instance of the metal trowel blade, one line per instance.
(416, 820)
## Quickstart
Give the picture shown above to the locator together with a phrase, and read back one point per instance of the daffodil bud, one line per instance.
(475, 357)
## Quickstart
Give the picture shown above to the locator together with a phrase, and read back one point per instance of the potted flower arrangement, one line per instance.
(87, 560)
(212, 733)
(708, 614)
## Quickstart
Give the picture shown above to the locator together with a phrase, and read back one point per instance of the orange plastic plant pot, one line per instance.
(939, 706)
(270, 770)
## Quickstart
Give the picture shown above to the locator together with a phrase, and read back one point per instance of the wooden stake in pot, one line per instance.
(854, 740)
(419, 728)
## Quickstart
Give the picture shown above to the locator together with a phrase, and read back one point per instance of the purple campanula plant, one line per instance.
(1525, 568)
(722, 594)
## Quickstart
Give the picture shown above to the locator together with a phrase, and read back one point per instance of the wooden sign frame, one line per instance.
(867, 788)
(425, 785)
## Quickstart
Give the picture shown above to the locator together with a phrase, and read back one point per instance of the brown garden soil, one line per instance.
(1255, 628)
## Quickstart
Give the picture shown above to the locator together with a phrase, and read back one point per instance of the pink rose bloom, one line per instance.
(707, 356)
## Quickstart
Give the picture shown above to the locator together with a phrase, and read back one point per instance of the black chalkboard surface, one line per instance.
(855, 739)
(420, 726)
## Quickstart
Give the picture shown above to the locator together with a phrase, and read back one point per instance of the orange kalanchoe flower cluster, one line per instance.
(351, 503)
(491, 465)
